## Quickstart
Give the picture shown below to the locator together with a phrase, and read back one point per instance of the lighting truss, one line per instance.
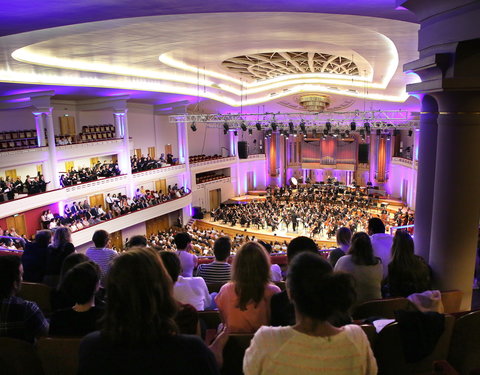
(383, 120)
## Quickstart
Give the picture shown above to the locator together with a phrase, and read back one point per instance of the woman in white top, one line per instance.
(312, 345)
(366, 268)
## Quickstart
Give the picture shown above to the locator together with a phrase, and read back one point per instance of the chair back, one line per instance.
(211, 318)
(371, 333)
(214, 287)
(38, 293)
(59, 356)
(464, 352)
(388, 351)
(451, 300)
(233, 353)
(281, 284)
(384, 308)
(18, 357)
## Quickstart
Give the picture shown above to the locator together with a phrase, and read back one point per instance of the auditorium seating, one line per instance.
(97, 132)
(451, 300)
(12, 140)
(464, 353)
(210, 176)
(234, 352)
(18, 357)
(38, 293)
(59, 356)
(201, 158)
(384, 308)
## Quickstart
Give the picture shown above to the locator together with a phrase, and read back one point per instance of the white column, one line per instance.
(41, 142)
(183, 157)
(52, 148)
(117, 122)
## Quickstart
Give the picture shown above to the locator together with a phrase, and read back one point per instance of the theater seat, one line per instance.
(371, 333)
(18, 357)
(384, 308)
(59, 356)
(38, 293)
(233, 353)
(464, 352)
(451, 300)
(214, 287)
(388, 351)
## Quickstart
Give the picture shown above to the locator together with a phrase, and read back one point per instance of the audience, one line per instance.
(19, 319)
(100, 253)
(275, 269)
(80, 285)
(188, 260)
(136, 241)
(60, 248)
(73, 176)
(366, 268)
(219, 271)
(244, 303)
(407, 273)
(313, 345)
(139, 334)
(381, 241)
(34, 257)
(344, 237)
(145, 163)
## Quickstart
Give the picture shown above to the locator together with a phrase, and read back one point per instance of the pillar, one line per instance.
(456, 201)
(52, 148)
(40, 128)
(427, 152)
(183, 157)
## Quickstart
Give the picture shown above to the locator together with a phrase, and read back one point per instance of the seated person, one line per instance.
(219, 271)
(313, 345)
(244, 303)
(80, 284)
(19, 319)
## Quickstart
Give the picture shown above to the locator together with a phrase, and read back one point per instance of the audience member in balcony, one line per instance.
(7, 189)
(313, 345)
(19, 319)
(34, 257)
(82, 175)
(186, 290)
(244, 303)
(283, 312)
(60, 248)
(219, 271)
(189, 261)
(100, 253)
(366, 268)
(407, 273)
(344, 237)
(139, 333)
(381, 242)
(80, 285)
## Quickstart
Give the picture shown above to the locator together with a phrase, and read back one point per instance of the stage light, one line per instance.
(193, 127)
(388, 137)
(225, 127)
(274, 126)
(225, 131)
(235, 133)
(410, 132)
(353, 125)
(379, 132)
(243, 126)
(290, 126)
(328, 125)
(250, 131)
(325, 132)
(302, 127)
(259, 126)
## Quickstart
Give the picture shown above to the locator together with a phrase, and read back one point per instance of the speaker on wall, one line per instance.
(197, 212)
(363, 153)
(242, 149)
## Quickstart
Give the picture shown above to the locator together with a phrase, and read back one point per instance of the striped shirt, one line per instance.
(103, 257)
(215, 272)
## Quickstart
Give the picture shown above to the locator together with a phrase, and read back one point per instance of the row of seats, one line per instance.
(17, 139)
(200, 158)
(210, 177)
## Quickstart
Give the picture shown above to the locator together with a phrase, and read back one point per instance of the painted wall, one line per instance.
(207, 140)
(165, 133)
(395, 185)
(17, 119)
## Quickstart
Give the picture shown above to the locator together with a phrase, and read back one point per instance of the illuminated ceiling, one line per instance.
(184, 54)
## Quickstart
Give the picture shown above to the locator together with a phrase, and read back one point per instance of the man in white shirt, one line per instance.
(381, 242)
(189, 261)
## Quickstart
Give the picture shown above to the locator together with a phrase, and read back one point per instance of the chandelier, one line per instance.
(314, 102)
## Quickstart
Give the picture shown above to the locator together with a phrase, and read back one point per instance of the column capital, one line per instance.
(120, 112)
(37, 111)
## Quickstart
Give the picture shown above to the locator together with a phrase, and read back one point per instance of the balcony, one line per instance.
(208, 165)
(85, 235)
(256, 157)
(155, 174)
(405, 162)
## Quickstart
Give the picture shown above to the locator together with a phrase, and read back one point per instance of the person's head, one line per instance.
(182, 240)
(361, 250)
(250, 273)
(61, 237)
(140, 307)
(266, 246)
(221, 248)
(375, 225)
(316, 291)
(300, 244)
(81, 282)
(402, 247)
(137, 241)
(172, 264)
(43, 238)
(11, 275)
(344, 236)
(100, 238)
(71, 261)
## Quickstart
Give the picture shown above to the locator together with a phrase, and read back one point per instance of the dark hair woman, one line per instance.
(407, 273)
(366, 268)
(60, 248)
(313, 345)
(139, 333)
(244, 303)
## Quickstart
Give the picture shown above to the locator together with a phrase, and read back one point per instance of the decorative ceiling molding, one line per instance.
(268, 65)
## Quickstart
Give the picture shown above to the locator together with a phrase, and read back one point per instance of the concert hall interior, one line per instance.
(203, 102)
